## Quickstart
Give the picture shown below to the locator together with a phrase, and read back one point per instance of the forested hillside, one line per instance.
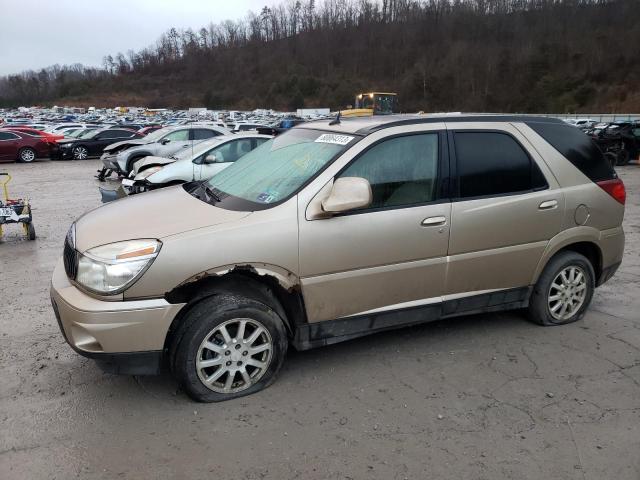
(471, 55)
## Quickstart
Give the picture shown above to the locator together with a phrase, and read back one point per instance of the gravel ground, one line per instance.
(483, 397)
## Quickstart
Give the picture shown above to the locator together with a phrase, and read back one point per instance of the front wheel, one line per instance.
(27, 155)
(80, 153)
(563, 291)
(31, 231)
(227, 347)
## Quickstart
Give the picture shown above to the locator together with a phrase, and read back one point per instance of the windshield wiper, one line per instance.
(210, 191)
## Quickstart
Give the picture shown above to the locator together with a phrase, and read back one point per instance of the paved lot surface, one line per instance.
(485, 397)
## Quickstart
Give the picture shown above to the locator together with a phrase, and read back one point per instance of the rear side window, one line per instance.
(576, 147)
(203, 134)
(493, 163)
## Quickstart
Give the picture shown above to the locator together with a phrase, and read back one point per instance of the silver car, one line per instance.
(200, 163)
(165, 142)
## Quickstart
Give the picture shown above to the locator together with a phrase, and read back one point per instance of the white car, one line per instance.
(200, 163)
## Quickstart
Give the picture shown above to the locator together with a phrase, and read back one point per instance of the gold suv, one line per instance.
(337, 229)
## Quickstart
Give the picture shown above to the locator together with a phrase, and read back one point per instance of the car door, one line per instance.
(101, 140)
(113, 136)
(8, 145)
(173, 142)
(506, 207)
(220, 157)
(391, 255)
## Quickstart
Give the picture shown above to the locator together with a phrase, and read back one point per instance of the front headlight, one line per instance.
(110, 269)
(148, 172)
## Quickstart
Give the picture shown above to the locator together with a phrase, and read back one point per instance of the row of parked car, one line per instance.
(24, 142)
(619, 141)
(174, 155)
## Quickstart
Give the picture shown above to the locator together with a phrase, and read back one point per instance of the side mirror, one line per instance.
(165, 141)
(348, 193)
(211, 158)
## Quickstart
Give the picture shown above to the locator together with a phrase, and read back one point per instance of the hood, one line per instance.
(150, 161)
(125, 143)
(155, 214)
(66, 141)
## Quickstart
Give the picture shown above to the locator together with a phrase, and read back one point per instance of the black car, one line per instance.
(619, 141)
(91, 143)
(130, 126)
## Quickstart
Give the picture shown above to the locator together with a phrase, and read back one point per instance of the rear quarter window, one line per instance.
(576, 147)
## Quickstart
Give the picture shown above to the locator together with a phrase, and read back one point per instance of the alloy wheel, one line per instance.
(80, 153)
(27, 155)
(234, 355)
(567, 292)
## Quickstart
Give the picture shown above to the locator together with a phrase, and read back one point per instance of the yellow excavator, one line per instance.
(372, 103)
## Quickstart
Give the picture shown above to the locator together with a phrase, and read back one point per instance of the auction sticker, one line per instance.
(334, 138)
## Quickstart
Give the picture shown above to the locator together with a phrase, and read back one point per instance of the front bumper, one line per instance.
(110, 162)
(62, 154)
(123, 336)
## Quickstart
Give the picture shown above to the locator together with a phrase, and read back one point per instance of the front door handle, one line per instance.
(433, 221)
(548, 205)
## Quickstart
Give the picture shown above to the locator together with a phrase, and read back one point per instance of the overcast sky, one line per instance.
(42, 33)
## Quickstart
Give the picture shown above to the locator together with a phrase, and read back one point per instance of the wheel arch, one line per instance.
(585, 242)
(266, 284)
(134, 156)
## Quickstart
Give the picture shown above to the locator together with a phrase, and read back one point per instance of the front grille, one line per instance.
(70, 257)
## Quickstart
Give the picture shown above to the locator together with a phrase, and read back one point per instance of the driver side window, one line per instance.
(402, 171)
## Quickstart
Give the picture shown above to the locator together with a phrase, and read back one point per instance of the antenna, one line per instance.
(336, 121)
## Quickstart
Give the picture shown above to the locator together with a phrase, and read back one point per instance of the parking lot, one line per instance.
(478, 397)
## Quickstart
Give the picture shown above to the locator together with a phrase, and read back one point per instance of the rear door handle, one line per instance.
(548, 205)
(433, 221)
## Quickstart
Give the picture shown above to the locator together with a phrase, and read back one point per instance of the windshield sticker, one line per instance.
(334, 138)
(267, 197)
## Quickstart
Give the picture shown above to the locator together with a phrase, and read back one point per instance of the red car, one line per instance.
(148, 130)
(15, 145)
(50, 137)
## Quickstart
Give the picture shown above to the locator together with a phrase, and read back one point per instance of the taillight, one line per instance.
(615, 188)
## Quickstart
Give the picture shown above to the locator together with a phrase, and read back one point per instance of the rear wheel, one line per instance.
(563, 291)
(227, 347)
(27, 155)
(623, 157)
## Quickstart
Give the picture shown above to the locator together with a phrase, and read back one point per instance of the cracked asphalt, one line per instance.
(482, 397)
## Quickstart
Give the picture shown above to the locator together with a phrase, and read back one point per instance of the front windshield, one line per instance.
(88, 133)
(77, 134)
(280, 166)
(158, 134)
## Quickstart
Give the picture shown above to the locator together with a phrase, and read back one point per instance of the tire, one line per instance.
(541, 302)
(203, 326)
(80, 152)
(131, 162)
(26, 155)
(623, 157)
(31, 231)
